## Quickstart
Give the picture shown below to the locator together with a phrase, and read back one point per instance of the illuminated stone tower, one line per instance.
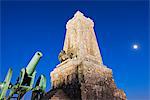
(81, 73)
(80, 38)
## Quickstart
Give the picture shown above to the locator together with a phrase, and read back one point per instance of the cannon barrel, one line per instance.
(32, 64)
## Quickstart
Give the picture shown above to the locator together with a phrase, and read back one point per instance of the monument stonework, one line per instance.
(81, 75)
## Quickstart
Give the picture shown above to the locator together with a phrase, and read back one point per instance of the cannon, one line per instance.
(26, 79)
(5, 85)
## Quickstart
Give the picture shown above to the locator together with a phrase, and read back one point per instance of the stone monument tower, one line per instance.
(81, 74)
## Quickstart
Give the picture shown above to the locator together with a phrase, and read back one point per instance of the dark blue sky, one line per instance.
(27, 27)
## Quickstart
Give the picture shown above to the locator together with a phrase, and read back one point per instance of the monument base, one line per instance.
(83, 80)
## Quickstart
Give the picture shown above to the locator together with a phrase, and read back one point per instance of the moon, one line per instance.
(135, 46)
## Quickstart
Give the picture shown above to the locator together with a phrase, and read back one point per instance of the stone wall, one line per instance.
(86, 80)
(98, 83)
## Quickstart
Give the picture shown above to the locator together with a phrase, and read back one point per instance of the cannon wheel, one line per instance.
(39, 89)
(6, 83)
